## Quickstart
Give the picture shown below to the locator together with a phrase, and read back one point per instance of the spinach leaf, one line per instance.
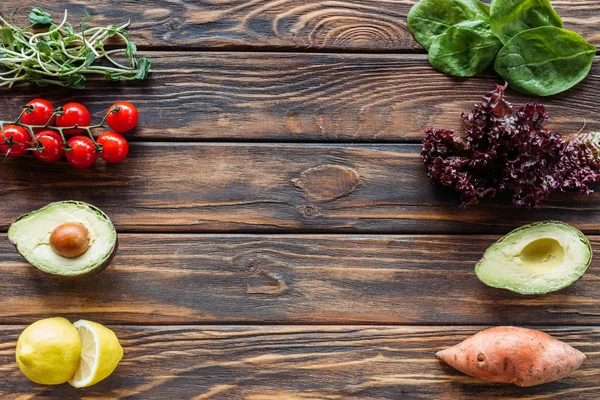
(509, 17)
(545, 61)
(430, 18)
(465, 49)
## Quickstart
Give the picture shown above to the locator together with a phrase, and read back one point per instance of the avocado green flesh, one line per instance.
(536, 259)
(31, 235)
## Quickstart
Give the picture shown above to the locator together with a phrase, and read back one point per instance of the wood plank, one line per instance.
(342, 25)
(316, 362)
(191, 187)
(331, 279)
(304, 97)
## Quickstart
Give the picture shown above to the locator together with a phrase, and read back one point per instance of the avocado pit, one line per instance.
(70, 240)
(542, 255)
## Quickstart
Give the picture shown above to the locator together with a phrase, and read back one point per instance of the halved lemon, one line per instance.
(100, 353)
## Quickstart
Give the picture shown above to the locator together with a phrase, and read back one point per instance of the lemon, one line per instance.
(48, 351)
(100, 353)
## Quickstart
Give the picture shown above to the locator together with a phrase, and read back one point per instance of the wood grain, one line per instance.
(284, 279)
(341, 25)
(304, 97)
(317, 362)
(216, 79)
(192, 187)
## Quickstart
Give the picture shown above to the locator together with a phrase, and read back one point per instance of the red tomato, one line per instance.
(81, 152)
(51, 145)
(40, 115)
(114, 147)
(16, 143)
(123, 120)
(73, 114)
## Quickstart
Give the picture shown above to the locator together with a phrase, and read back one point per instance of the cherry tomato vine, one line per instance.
(51, 133)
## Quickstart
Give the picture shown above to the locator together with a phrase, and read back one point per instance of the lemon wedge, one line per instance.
(100, 353)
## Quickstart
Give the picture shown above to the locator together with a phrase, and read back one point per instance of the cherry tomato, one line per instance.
(40, 115)
(82, 152)
(123, 120)
(114, 147)
(51, 146)
(17, 141)
(73, 114)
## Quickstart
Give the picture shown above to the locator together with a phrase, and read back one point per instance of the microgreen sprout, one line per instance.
(58, 54)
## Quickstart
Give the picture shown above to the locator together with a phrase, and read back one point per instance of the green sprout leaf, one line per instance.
(89, 59)
(77, 81)
(111, 30)
(131, 50)
(143, 69)
(43, 48)
(54, 35)
(7, 36)
(39, 17)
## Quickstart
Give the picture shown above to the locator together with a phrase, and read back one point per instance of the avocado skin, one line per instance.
(99, 268)
(534, 225)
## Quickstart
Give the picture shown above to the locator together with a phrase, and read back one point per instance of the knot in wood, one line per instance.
(327, 182)
(251, 267)
(309, 211)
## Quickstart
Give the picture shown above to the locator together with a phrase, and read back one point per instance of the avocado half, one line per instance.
(535, 259)
(30, 233)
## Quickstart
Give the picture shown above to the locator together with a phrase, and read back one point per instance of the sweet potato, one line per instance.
(508, 354)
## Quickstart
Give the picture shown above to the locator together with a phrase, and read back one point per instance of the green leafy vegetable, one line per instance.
(465, 49)
(39, 17)
(464, 37)
(545, 61)
(430, 18)
(59, 55)
(510, 17)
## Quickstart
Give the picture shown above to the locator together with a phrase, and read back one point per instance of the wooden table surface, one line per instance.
(279, 238)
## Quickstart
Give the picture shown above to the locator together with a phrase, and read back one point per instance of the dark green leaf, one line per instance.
(143, 69)
(131, 50)
(39, 17)
(430, 18)
(545, 61)
(89, 59)
(54, 35)
(76, 81)
(59, 56)
(465, 49)
(111, 30)
(510, 17)
(69, 37)
(7, 36)
(43, 47)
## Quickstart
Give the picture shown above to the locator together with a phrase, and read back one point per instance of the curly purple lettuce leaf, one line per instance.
(505, 151)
